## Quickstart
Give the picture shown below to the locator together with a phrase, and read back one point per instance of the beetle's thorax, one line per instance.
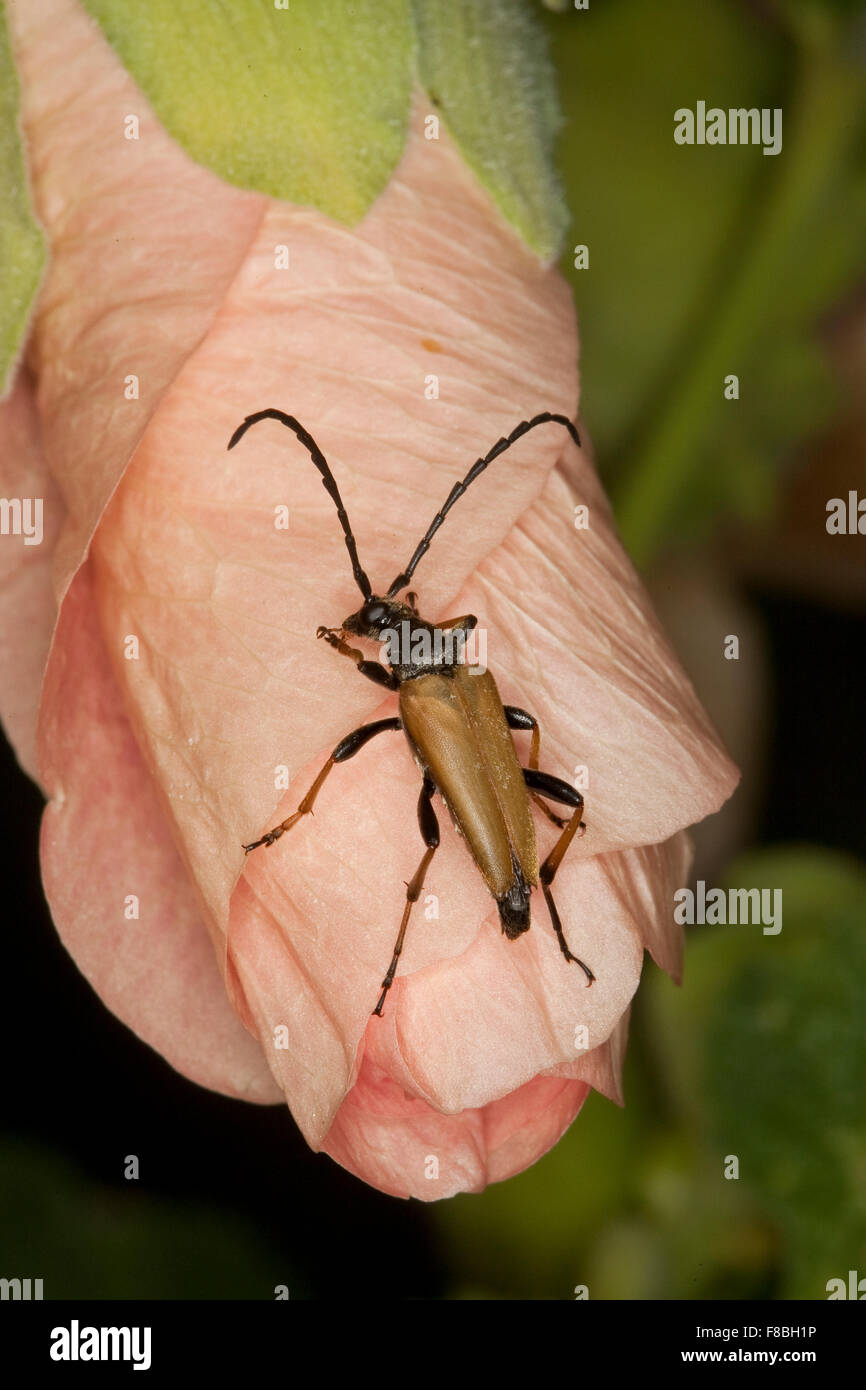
(410, 646)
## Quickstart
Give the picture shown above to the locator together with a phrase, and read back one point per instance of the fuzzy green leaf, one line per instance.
(309, 103)
(22, 252)
(484, 66)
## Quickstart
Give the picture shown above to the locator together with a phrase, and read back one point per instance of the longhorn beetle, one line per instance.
(456, 724)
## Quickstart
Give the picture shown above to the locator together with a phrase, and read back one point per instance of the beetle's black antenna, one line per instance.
(330, 485)
(459, 488)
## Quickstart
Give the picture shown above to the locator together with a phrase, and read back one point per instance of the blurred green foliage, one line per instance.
(707, 260)
(776, 1070)
(83, 1238)
(761, 1056)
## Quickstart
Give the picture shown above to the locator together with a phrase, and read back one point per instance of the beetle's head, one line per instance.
(375, 616)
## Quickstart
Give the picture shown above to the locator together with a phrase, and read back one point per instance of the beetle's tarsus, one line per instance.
(266, 840)
(569, 956)
(590, 978)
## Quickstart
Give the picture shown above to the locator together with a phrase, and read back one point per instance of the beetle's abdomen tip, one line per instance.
(514, 913)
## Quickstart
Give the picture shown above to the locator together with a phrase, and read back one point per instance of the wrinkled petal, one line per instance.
(105, 841)
(572, 626)
(144, 244)
(28, 608)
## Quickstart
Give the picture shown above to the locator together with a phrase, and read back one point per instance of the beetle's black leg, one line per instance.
(346, 748)
(373, 670)
(430, 835)
(558, 790)
(521, 719)
(411, 600)
(467, 621)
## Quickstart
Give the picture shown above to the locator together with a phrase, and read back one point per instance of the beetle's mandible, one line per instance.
(456, 724)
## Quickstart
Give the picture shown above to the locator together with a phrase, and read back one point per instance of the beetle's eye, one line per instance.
(373, 613)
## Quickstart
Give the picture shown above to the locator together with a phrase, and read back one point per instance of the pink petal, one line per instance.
(27, 605)
(572, 626)
(124, 293)
(602, 1067)
(104, 837)
(401, 1146)
(466, 1032)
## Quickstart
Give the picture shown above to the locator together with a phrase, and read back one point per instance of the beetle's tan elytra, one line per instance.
(456, 724)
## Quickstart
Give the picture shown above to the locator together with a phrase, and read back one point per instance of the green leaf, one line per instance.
(22, 252)
(484, 65)
(309, 103)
